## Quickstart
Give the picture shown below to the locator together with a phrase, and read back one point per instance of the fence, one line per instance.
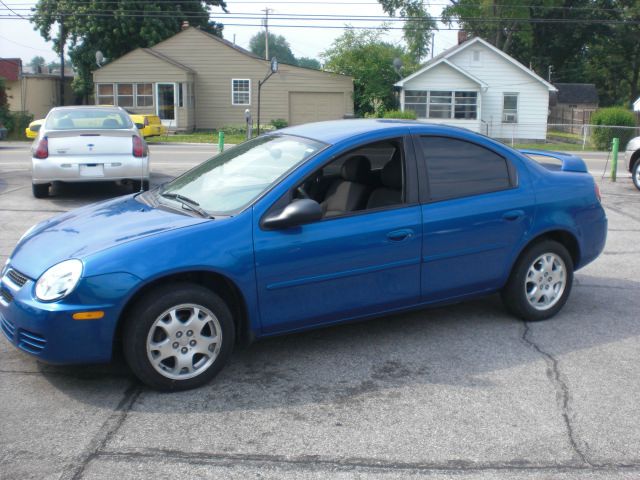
(562, 136)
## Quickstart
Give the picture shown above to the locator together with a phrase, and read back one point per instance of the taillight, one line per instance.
(42, 150)
(146, 121)
(138, 146)
(597, 192)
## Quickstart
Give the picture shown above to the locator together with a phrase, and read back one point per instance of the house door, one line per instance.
(166, 103)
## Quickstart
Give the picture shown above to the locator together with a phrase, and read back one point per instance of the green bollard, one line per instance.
(220, 142)
(614, 161)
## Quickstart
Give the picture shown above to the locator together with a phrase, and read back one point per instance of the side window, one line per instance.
(366, 178)
(458, 169)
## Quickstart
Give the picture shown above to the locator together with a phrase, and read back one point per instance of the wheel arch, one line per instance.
(563, 237)
(214, 281)
(635, 157)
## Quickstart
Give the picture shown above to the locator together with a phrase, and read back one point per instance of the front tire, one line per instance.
(178, 337)
(540, 282)
(635, 174)
(40, 190)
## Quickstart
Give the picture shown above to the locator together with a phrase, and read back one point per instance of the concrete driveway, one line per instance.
(464, 391)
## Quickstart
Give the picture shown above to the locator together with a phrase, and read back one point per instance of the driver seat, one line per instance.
(350, 191)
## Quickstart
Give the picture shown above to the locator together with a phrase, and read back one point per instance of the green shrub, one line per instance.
(279, 123)
(603, 135)
(407, 115)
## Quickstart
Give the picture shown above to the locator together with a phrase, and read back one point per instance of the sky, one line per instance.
(18, 39)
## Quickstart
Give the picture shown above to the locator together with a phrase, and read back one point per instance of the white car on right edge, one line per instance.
(88, 144)
(633, 157)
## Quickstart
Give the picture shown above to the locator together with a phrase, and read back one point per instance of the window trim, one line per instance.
(510, 110)
(232, 91)
(136, 95)
(411, 191)
(452, 104)
(423, 170)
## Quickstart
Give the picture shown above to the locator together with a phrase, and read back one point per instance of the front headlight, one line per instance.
(59, 281)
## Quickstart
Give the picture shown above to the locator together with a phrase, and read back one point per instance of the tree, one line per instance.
(278, 47)
(370, 62)
(307, 62)
(37, 62)
(418, 24)
(115, 27)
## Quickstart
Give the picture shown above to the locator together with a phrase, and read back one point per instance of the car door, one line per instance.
(342, 267)
(476, 208)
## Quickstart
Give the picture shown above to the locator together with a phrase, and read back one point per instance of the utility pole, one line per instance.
(433, 40)
(62, 42)
(266, 32)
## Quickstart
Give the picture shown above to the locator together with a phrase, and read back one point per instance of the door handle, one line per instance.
(400, 235)
(512, 215)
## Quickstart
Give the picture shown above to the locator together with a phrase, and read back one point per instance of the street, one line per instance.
(464, 391)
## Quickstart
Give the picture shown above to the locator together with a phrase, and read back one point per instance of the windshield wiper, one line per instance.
(188, 203)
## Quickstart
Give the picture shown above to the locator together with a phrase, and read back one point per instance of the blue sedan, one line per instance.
(306, 227)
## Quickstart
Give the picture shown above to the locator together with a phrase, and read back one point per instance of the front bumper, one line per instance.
(88, 169)
(48, 331)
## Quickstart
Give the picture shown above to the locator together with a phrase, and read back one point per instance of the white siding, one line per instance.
(503, 77)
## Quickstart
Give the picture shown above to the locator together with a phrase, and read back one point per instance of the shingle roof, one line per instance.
(577, 93)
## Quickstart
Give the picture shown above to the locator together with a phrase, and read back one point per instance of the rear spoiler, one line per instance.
(570, 163)
(93, 132)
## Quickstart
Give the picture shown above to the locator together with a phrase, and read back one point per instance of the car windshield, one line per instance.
(230, 181)
(87, 118)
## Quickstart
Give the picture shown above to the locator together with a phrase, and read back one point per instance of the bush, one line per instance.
(406, 115)
(603, 135)
(279, 123)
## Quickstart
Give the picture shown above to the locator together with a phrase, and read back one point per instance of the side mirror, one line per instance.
(139, 126)
(35, 128)
(296, 213)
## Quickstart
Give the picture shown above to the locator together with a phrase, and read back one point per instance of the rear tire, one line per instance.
(540, 282)
(40, 190)
(635, 174)
(178, 337)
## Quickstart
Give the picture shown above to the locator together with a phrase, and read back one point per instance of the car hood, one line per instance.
(82, 232)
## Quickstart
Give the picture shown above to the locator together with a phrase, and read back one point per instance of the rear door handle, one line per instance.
(400, 235)
(512, 215)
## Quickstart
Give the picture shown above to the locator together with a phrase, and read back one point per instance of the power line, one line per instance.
(13, 11)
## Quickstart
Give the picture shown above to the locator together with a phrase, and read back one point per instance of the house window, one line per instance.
(125, 94)
(510, 108)
(105, 94)
(442, 104)
(240, 92)
(144, 94)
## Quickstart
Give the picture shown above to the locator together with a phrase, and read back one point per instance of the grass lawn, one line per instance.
(198, 137)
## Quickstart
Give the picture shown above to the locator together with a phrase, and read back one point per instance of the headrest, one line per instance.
(356, 169)
(109, 123)
(391, 174)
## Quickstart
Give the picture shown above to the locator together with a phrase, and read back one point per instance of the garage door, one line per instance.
(305, 107)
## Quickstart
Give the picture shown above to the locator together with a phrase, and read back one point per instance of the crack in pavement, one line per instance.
(111, 425)
(562, 391)
(320, 462)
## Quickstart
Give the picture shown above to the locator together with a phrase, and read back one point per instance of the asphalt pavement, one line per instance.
(464, 391)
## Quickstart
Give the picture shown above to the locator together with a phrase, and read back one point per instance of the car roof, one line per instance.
(92, 107)
(338, 130)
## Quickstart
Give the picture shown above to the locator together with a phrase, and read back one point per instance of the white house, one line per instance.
(477, 86)
(636, 105)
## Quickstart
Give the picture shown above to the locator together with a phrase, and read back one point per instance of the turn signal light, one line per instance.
(97, 315)
(42, 150)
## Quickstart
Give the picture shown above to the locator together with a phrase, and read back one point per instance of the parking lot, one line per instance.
(463, 391)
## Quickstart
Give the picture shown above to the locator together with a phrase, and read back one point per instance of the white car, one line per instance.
(88, 144)
(633, 158)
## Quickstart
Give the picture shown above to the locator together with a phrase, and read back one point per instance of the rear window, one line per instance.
(87, 118)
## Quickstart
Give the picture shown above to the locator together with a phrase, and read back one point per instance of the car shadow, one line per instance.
(459, 345)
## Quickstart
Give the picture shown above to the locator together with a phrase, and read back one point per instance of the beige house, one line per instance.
(34, 93)
(197, 80)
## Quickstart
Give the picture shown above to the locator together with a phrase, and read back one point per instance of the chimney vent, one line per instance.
(462, 36)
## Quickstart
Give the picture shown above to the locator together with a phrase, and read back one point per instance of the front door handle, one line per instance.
(512, 215)
(400, 235)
